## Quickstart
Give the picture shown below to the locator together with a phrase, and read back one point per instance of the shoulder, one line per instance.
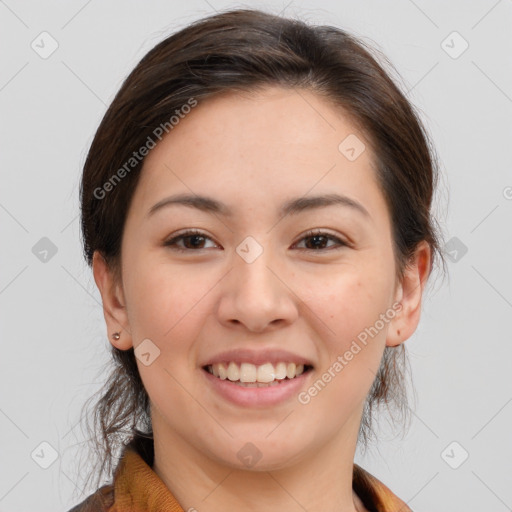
(100, 501)
(103, 500)
(374, 494)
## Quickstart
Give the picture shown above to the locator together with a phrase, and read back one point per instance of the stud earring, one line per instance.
(116, 336)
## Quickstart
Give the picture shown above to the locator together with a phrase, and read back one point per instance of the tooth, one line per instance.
(248, 372)
(281, 371)
(223, 371)
(266, 372)
(233, 372)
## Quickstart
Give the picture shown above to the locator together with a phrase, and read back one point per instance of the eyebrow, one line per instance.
(291, 207)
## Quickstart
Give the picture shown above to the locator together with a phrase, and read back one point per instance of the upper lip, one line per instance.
(257, 357)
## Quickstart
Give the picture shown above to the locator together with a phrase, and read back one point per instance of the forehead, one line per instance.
(280, 120)
(263, 145)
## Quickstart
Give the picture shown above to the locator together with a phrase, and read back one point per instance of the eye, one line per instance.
(319, 239)
(192, 239)
(195, 240)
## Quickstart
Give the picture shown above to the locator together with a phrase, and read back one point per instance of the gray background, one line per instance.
(53, 339)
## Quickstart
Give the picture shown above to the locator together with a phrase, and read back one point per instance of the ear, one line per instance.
(409, 292)
(112, 296)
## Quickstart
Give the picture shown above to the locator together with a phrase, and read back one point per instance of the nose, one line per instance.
(257, 295)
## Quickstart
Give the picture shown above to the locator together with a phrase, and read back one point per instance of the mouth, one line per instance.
(257, 376)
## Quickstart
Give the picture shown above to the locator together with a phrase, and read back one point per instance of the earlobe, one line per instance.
(114, 309)
(121, 343)
(411, 290)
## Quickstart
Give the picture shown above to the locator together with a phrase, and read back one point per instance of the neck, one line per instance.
(315, 480)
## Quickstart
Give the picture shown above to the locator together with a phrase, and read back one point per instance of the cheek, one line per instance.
(167, 306)
(164, 300)
(346, 313)
(349, 306)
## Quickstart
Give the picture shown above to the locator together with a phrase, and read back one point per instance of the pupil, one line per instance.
(317, 237)
(195, 237)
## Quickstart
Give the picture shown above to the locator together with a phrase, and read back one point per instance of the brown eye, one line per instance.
(192, 240)
(319, 239)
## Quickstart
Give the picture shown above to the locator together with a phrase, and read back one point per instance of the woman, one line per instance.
(256, 211)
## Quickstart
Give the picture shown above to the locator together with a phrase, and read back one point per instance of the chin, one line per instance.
(256, 453)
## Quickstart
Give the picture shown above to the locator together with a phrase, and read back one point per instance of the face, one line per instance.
(312, 284)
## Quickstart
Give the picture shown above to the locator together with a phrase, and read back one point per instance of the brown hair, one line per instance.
(244, 50)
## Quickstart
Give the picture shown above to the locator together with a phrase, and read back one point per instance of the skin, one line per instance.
(253, 152)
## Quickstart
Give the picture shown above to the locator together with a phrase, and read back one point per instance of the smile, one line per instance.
(250, 375)
(240, 383)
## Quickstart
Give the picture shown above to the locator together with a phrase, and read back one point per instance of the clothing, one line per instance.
(137, 488)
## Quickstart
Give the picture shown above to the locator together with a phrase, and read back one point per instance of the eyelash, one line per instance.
(309, 234)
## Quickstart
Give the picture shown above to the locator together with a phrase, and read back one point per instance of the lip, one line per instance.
(257, 357)
(256, 397)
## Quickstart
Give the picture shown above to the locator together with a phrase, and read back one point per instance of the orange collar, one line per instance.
(137, 488)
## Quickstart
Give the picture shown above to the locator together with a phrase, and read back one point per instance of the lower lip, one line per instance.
(257, 397)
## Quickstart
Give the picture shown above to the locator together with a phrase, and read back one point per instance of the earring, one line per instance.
(116, 336)
(398, 332)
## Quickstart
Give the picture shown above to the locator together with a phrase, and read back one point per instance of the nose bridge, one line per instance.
(255, 277)
(255, 294)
